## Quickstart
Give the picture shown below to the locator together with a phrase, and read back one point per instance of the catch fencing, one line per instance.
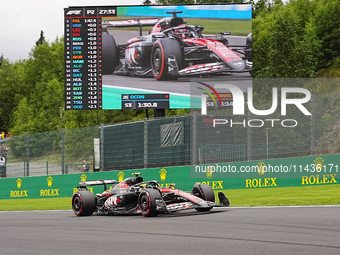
(173, 141)
(49, 153)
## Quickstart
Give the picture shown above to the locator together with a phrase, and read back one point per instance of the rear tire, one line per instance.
(110, 54)
(205, 192)
(147, 202)
(83, 203)
(249, 48)
(248, 52)
(161, 51)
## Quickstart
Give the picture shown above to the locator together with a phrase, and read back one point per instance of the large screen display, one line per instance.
(116, 57)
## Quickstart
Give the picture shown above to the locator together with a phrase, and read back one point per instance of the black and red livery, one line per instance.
(171, 50)
(133, 195)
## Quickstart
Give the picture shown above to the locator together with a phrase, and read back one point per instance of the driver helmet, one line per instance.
(164, 24)
(134, 180)
(183, 33)
(139, 179)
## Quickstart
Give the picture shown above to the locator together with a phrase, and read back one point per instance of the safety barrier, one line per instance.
(312, 170)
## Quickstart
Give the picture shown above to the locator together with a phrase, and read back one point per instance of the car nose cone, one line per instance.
(237, 65)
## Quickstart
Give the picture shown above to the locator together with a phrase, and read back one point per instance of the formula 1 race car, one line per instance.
(171, 50)
(133, 195)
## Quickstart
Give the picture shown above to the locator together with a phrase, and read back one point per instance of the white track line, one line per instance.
(278, 206)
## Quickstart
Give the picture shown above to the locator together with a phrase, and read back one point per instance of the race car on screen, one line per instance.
(133, 195)
(171, 50)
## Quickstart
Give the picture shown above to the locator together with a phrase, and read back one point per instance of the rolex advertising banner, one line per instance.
(302, 171)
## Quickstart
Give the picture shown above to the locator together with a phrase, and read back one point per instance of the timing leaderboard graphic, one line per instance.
(116, 51)
(83, 48)
(145, 101)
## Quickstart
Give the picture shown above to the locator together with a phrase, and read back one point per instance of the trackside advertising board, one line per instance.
(303, 171)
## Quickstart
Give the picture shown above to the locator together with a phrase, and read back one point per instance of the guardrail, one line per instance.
(326, 171)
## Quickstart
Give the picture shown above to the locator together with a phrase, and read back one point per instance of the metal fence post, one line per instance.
(312, 146)
(194, 139)
(27, 154)
(63, 151)
(249, 139)
(267, 142)
(146, 143)
(101, 147)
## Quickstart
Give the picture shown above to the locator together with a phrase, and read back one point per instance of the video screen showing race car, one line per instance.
(144, 57)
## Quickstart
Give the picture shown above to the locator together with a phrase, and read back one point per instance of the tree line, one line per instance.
(298, 40)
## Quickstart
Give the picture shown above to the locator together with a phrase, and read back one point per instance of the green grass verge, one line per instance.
(28, 204)
(211, 26)
(309, 195)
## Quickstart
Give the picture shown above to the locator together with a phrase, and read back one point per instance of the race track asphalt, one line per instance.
(272, 230)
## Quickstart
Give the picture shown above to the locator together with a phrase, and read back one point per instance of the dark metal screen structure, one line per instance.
(145, 144)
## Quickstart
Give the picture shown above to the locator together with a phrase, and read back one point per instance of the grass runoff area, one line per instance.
(211, 26)
(286, 196)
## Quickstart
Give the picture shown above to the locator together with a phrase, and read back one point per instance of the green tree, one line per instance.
(12, 90)
(40, 100)
(326, 23)
(258, 7)
(1, 59)
(264, 5)
(286, 41)
(24, 118)
(41, 90)
(41, 39)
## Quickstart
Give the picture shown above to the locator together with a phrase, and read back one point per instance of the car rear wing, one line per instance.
(83, 185)
(129, 23)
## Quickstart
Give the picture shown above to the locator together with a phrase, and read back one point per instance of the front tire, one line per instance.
(147, 202)
(205, 192)
(83, 203)
(110, 54)
(162, 50)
